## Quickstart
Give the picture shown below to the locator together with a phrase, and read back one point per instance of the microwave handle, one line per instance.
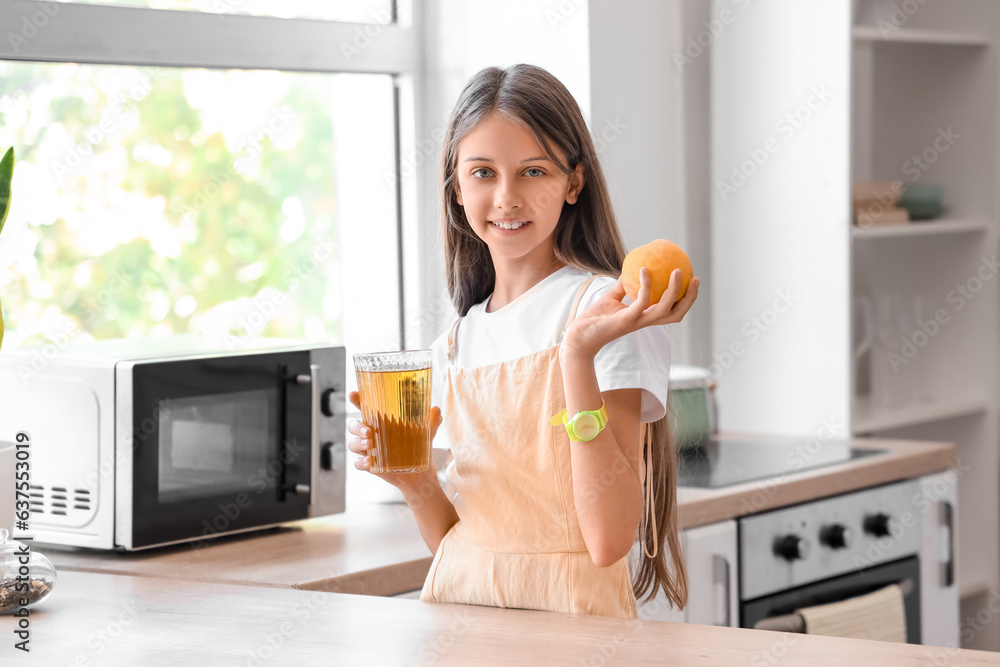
(314, 446)
(313, 380)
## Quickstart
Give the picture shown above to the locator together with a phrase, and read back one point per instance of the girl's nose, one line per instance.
(506, 197)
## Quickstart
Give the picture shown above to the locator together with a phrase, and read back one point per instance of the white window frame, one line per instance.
(137, 36)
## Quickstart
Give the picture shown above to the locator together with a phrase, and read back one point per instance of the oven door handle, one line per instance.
(949, 522)
(720, 564)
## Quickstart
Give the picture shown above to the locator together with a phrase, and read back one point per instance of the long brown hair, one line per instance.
(586, 236)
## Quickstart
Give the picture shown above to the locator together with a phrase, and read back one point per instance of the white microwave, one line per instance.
(138, 443)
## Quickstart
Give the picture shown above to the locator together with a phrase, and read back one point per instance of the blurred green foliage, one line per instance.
(145, 219)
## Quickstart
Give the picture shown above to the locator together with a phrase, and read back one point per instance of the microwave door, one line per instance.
(219, 445)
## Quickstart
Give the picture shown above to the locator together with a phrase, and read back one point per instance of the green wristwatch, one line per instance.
(585, 425)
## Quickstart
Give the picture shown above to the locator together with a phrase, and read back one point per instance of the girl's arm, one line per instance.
(607, 490)
(434, 513)
(607, 471)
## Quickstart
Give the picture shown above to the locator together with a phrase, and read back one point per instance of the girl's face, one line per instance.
(511, 192)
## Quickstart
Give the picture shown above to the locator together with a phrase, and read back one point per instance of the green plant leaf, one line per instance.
(6, 175)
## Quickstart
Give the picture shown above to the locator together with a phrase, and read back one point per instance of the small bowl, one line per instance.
(923, 202)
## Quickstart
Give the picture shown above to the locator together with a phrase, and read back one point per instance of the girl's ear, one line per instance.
(458, 193)
(576, 183)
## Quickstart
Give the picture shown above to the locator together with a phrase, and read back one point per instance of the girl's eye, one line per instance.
(482, 172)
(537, 172)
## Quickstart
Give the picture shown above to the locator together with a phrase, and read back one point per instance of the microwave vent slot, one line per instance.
(58, 500)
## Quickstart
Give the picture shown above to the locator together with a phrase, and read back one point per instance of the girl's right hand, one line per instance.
(406, 481)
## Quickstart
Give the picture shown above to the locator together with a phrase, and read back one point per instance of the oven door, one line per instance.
(842, 588)
(218, 445)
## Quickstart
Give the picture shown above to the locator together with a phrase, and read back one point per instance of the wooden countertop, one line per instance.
(99, 619)
(372, 549)
(376, 549)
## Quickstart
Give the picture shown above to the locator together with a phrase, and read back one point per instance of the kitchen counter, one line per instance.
(376, 549)
(904, 459)
(100, 619)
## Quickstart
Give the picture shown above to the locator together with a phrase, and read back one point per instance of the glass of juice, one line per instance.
(395, 389)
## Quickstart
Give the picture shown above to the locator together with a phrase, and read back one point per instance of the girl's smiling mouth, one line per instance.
(509, 224)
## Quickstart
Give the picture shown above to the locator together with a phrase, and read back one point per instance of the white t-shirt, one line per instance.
(534, 321)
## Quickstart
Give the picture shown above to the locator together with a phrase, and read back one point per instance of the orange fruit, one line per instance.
(661, 258)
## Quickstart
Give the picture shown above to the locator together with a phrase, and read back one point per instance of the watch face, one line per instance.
(586, 427)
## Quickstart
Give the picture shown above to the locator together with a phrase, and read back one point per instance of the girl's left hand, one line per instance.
(608, 318)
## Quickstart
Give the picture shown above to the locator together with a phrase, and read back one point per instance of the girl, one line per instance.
(544, 355)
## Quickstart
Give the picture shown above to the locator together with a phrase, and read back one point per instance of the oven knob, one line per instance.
(877, 524)
(791, 547)
(836, 536)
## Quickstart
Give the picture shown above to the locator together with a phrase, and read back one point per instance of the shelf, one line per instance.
(865, 33)
(919, 229)
(975, 587)
(866, 420)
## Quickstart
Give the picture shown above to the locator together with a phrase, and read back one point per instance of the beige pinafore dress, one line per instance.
(517, 542)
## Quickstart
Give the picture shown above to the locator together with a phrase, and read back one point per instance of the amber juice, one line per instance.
(396, 404)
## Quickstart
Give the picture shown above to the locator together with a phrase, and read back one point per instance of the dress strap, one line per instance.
(453, 341)
(576, 302)
(649, 511)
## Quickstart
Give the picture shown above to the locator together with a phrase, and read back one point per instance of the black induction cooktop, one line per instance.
(726, 462)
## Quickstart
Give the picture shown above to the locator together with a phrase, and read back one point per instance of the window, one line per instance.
(351, 11)
(159, 196)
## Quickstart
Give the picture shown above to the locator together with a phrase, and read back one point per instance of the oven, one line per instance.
(831, 550)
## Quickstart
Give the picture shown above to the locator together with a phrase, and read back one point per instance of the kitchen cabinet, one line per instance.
(710, 557)
(939, 603)
(876, 92)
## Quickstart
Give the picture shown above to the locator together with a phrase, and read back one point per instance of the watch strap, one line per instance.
(584, 425)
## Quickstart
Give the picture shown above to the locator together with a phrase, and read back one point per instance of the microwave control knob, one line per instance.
(791, 547)
(326, 401)
(326, 456)
(836, 536)
(878, 524)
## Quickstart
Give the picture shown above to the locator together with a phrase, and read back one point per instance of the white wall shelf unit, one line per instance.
(929, 228)
(867, 33)
(915, 103)
(869, 419)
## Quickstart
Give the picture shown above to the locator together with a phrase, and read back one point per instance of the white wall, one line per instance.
(781, 255)
(649, 115)
(462, 38)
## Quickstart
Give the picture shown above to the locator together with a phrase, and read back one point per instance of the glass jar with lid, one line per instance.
(26, 576)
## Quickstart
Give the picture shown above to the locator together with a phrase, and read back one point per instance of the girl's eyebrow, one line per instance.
(486, 159)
